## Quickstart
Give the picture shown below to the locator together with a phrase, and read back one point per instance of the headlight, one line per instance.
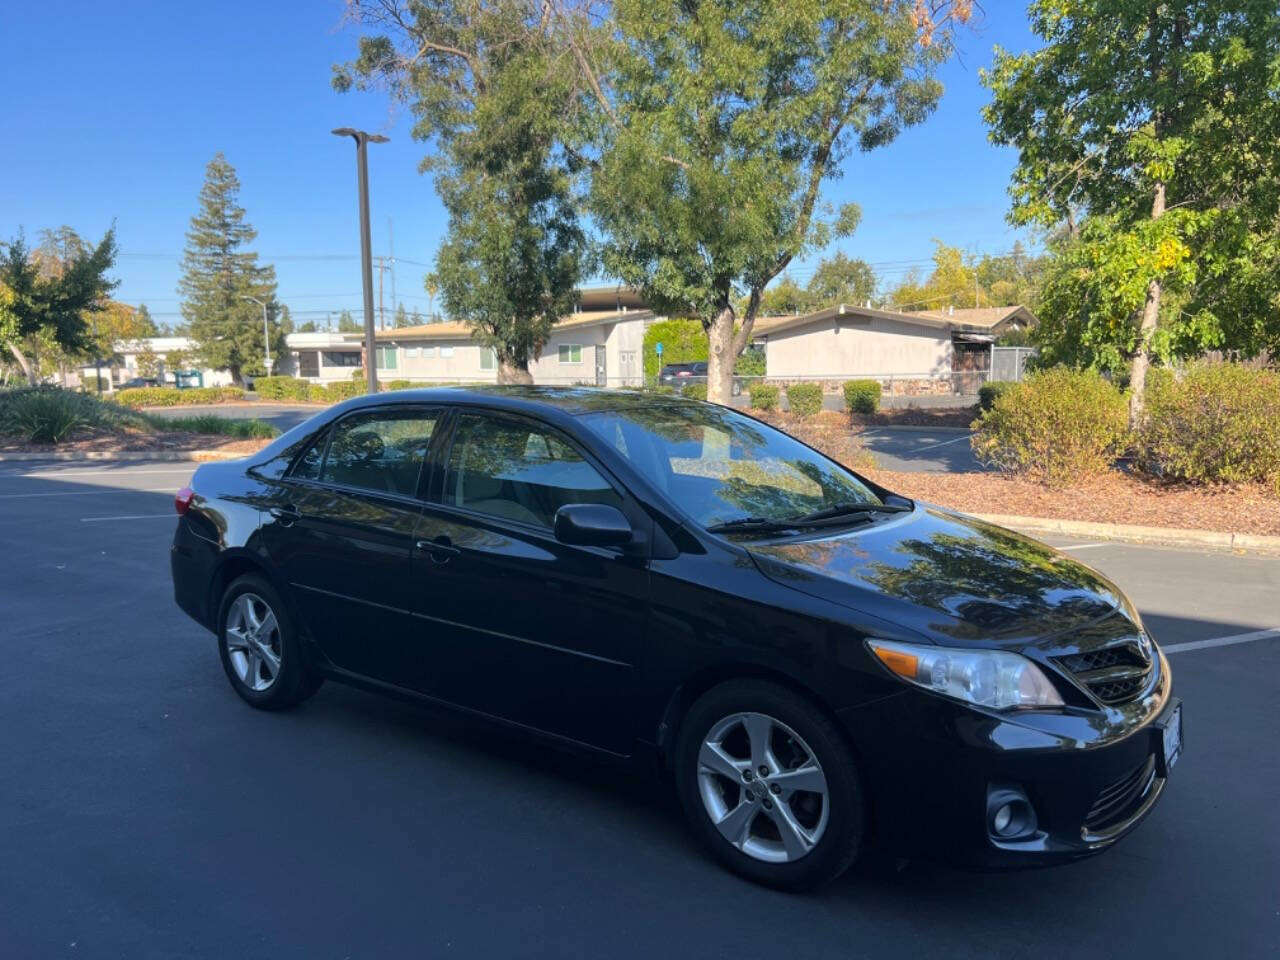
(988, 678)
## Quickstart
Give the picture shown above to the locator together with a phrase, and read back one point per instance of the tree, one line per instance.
(726, 119)
(416, 319)
(1148, 138)
(148, 362)
(401, 319)
(110, 324)
(47, 299)
(347, 323)
(784, 298)
(308, 326)
(952, 283)
(217, 275)
(841, 279)
(146, 323)
(495, 93)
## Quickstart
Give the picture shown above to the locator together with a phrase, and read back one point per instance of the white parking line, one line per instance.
(941, 443)
(1221, 641)
(85, 493)
(135, 516)
(81, 472)
(1084, 546)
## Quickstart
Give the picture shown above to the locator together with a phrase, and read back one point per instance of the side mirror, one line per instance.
(592, 525)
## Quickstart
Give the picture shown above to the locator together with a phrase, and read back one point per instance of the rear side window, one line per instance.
(516, 470)
(381, 451)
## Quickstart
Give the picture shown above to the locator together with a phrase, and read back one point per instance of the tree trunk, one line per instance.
(27, 369)
(720, 356)
(511, 372)
(1146, 327)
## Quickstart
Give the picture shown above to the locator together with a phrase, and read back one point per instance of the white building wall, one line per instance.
(840, 347)
(439, 361)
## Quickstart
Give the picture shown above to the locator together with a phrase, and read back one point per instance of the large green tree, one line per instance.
(219, 272)
(727, 117)
(495, 88)
(1148, 139)
(48, 295)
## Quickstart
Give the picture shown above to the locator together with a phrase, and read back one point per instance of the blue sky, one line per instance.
(122, 104)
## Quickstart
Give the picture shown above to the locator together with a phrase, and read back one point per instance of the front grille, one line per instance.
(1117, 799)
(1113, 674)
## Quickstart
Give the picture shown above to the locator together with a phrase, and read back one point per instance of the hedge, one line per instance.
(683, 341)
(1056, 426)
(862, 396)
(764, 396)
(281, 388)
(694, 391)
(171, 397)
(1217, 423)
(988, 392)
(397, 385)
(804, 399)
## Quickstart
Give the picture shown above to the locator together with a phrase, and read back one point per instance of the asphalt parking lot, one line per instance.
(145, 811)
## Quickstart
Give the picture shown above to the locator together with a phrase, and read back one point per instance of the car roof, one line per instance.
(573, 401)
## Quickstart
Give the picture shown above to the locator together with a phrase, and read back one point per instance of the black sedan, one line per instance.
(815, 660)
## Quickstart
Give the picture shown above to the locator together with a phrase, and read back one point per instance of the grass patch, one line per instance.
(210, 423)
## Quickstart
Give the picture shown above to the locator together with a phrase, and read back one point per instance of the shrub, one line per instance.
(988, 392)
(317, 393)
(170, 397)
(1218, 423)
(694, 391)
(683, 341)
(862, 396)
(214, 424)
(343, 390)
(1055, 426)
(750, 363)
(764, 396)
(280, 388)
(397, 385)
(44, 415)
(662, 389)
(804, 399)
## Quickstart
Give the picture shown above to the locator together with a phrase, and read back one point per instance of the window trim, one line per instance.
(569, 346)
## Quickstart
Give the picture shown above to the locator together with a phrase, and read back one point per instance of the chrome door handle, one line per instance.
(440, 549)
(287, 514)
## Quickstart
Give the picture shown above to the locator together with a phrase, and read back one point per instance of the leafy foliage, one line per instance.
(1056, 426)
(764, 396)
(51, 414)
(683, 341)
(694, 391)
(862, 396)
(957, 280)
(217, 275)
(280, 388)
(989, 391)
(211, 423)
(1216, 423)
(169, 397)
(804, 399)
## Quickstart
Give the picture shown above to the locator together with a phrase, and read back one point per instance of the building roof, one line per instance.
(453, 330)
(983, 317)
(979, 320)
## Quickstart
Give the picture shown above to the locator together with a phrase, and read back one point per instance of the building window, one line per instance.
(446, 351)
(341, 358)
(309, 363)
(488, 360)
(428, 352)
(386, 358)
(412, 351)
(570, 353)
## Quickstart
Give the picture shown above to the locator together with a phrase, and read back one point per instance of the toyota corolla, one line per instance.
(815, 660)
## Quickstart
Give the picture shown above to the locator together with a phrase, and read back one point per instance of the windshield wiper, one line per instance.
(817, 519)
(845, 509)
(750, 523)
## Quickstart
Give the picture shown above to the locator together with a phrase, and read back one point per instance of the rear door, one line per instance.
(341, 532)
(517, 624)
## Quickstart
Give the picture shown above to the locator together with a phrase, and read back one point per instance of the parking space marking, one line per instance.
(1222, 641)
(58, 474)
(105, 491)
(135, 516)
(941, 443)
(1084, 546)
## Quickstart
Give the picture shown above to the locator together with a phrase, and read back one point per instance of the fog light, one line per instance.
(1000, 822)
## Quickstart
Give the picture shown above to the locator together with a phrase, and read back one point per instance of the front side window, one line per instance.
(381, 451)
(520, 471)
(570, 353)
(720, 466)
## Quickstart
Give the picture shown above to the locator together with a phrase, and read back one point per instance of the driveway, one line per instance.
(913, 449)
(148, 812)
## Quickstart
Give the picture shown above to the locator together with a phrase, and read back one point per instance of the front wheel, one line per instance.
(259, 646)
(768, 782)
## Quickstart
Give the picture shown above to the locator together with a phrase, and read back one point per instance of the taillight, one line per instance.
(182, 500)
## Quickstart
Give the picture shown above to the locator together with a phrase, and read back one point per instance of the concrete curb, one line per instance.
(1133, 533)
(867, 428)
(132, 456)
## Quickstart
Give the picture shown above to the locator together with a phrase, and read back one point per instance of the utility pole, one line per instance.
(363, 140)
(382, 316)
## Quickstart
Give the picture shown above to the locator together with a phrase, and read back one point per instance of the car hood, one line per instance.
(953, 579)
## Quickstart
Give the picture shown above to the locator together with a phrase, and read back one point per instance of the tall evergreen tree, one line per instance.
(402, 316)
(347, 323)
(218, 273)
(146, 323)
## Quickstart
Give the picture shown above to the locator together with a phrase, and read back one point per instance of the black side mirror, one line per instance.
(592, 525)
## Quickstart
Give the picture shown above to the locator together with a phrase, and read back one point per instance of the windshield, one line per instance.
(721, 467)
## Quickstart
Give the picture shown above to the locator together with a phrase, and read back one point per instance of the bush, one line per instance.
(280, 388)
(862, 396)
(764, 396)
(988, 392)
(397, 385)
(317, 393)
(694, 391)
(52, 414)
(1056, 426)
(214, 424)
(750, 363)
(804, 399)
(170, 397)
(343, 390)
(1218, 423)
(683, 341)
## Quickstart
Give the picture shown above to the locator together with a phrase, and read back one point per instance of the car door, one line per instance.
(522, 626)
(341, 532)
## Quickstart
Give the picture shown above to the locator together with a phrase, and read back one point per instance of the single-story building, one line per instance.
(321, 357)
(923, 352)
(170, 353)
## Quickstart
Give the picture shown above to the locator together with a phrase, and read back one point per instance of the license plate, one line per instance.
(1173, 738)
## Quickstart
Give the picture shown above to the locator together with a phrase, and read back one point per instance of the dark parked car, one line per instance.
(812, 657)
(139, 382)
(679, 374)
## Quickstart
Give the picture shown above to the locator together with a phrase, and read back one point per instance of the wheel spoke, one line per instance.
(268, 658)
(712, 757)
(807, 777)
(236, 639)
(250, 614)
(795, 839)
(251, 668)
(758, 729)
(735, 824)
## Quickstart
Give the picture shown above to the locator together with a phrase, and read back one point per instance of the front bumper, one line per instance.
(933, 765)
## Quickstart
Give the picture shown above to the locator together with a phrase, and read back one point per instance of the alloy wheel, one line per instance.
(253, 642)
(763, 787)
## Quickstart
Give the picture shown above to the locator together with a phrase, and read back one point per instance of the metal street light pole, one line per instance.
(266, 339)
(363, 140)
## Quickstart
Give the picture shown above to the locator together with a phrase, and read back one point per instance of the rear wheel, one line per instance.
(768, 782)
(259, 646)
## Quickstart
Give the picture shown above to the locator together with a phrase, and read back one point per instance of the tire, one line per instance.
(248, 669)
(830, 825)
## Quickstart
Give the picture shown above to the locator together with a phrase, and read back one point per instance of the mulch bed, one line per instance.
(1111, 498)
(110, 441)
(917, 417)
